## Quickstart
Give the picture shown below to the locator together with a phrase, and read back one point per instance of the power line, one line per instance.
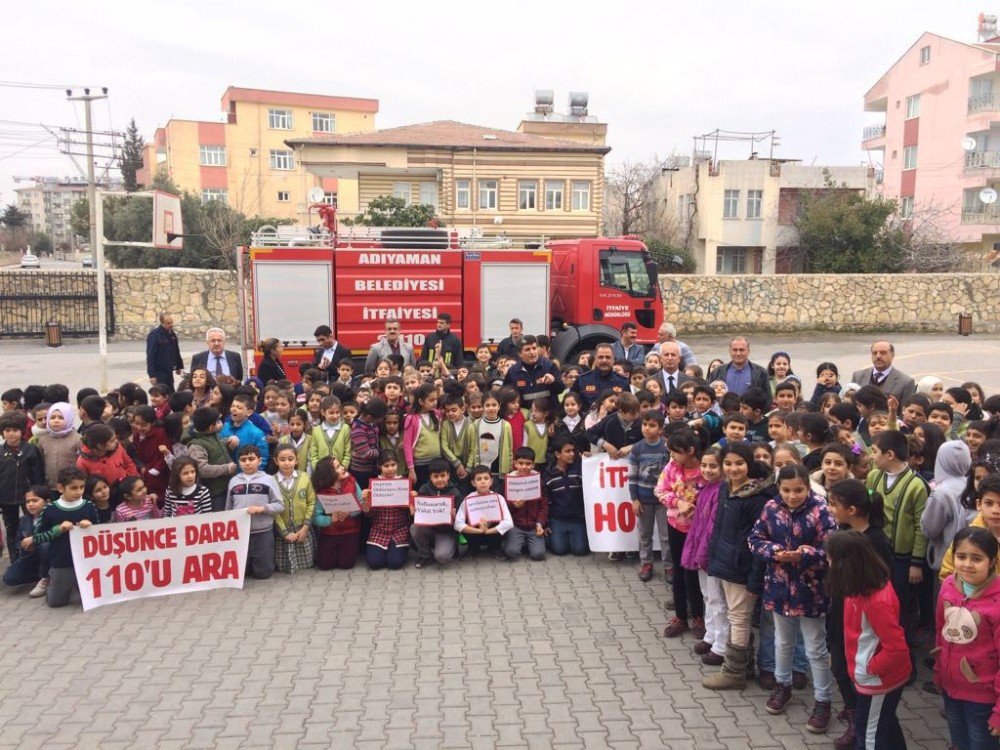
(28, 85)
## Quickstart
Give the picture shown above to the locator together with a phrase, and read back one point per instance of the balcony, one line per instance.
(982, 160)
(873, 132)
(981, 214)
(984, 103)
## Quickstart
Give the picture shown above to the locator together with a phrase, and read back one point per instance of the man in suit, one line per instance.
(740, 374)
(163, 353)
(883, 375)
(217, 360)
(329, 352)
(670, 376)
(626, 348)
(388, 345)
(668, 332)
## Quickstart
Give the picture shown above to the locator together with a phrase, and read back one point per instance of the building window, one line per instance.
(253, 152)
(913, 106)
(581, 196)
(685, 206)
(925, 55)
(279, 119)
(488, 194)
(401, 190)
(910, 157)
(283, 196)
(212, 156)
(281, 159)
(553, 195)
(463, 192)
(527, 194)
(214, 194)
(906, 206)
(330, 199)
(731, 204)
(754, 200)
(731, 260)
(324, 122)
(429, 194)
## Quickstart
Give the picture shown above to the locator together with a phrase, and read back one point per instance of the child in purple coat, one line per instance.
(712, 647)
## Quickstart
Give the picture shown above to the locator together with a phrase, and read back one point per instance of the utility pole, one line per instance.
(96, 237)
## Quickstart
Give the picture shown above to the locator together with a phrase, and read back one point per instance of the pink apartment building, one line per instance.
(940, 141)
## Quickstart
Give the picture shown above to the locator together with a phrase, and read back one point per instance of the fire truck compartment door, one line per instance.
(291, 298)
(514, 290)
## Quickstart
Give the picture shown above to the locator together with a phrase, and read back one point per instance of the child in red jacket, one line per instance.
(878, 658)
(101, 453)
(966, 669)
(147, 438)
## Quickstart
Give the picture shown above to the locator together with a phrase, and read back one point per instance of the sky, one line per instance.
(658, 73)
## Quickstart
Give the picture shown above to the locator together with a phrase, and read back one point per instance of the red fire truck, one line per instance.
(579, 291)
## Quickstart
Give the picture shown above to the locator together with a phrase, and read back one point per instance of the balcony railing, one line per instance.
(984, 102)
(872, 132)
(982, 159)
(982, 214)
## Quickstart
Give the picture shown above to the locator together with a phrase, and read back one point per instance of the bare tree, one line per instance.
(634, 204)
(924, 241)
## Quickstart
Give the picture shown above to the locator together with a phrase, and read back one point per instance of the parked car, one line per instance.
(87, 261)
(30, 261)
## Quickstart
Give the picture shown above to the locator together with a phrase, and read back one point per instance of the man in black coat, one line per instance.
(602, 377)
(443, 344)
(534, 376)
(163, 353)
(740, 374)
(329, 352)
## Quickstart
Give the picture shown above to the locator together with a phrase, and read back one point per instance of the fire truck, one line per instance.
(355, 278)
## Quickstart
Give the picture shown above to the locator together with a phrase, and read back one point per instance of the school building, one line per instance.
(546, 178)
(936, 138)
(243, 158)
(738, 216)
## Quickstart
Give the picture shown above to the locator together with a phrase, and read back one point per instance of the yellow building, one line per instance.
(546, 179)
(244, 159)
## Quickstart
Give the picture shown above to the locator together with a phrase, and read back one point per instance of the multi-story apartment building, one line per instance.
(243, 159)
(738, 217)
(938, 145)
(545, 179)
(48, 203)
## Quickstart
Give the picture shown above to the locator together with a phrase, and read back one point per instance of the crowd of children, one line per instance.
(841, 537)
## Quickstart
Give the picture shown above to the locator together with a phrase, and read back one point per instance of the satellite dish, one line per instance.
(969, 143)
(988, 196)
(316, 194)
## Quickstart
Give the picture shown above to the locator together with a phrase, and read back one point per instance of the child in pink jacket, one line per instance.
(677, 490)
(968, 641)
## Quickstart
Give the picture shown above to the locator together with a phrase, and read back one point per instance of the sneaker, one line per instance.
(846, 741)
(820, 718)
(780, 696)
(799, 680)
(40, 588)
(675, 628)
(698, 627)
(462, 540)
(645, 571)
(766, 680)
(668, 575)
(702, 647)
(668, 603)
(616, 556)
(712, 659)
(420, 564)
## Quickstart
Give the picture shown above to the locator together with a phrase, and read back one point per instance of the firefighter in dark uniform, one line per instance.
(593, 383)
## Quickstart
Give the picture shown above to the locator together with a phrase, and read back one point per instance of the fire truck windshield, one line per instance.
(627, 272)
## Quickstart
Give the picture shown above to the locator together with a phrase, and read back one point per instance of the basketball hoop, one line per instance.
(167, 221)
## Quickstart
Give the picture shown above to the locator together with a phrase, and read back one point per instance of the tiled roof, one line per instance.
(450, 134)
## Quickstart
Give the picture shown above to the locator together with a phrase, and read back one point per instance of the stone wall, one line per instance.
(198, 299)
(848, 302)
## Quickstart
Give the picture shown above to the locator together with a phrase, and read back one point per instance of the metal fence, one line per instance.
(31, 299)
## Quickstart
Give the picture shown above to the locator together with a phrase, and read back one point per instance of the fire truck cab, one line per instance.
(580, 291)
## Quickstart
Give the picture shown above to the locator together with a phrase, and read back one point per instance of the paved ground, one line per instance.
(564, 653)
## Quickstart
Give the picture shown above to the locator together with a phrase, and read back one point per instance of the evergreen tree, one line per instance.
(130, 160)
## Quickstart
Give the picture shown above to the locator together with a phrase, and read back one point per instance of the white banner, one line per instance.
(611, 523)
(122, 561)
